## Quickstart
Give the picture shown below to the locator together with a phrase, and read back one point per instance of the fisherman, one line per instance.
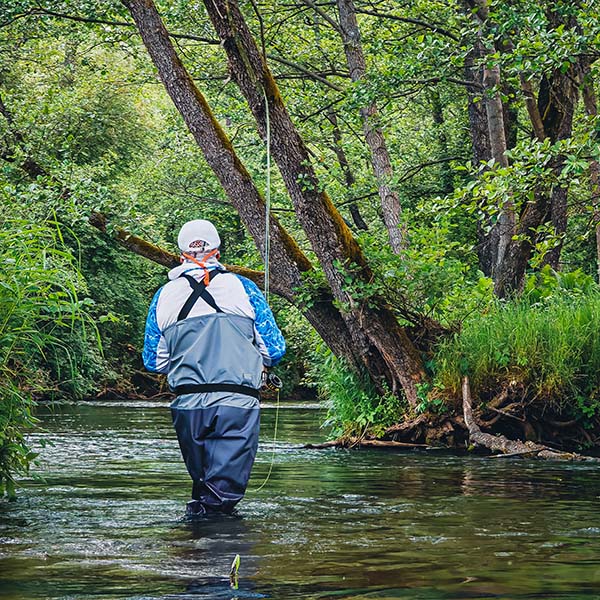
(214, 335)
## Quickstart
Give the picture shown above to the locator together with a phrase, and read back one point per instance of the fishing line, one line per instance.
(272, 461)
(267, 260)
(267, 201)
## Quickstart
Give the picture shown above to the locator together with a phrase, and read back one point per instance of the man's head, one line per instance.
(197, 238)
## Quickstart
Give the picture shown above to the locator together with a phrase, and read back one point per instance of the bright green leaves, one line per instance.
(355, 408)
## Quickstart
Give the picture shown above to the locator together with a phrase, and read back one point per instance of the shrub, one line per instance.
(355, 407)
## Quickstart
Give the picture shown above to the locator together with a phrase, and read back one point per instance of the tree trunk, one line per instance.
(533, 109)
(591, 108)
(505, 227)
(551, 117)
(480, 143)
(501, 444)
(557, 101)
(287, 260)
(380, 157)
(387, 354)
(503, 230)
(163, 257)
(349, 179)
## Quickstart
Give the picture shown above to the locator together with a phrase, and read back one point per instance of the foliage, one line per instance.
(437, 275)
(355, 408)
(39, 304)
(82, 100)
(545, 343)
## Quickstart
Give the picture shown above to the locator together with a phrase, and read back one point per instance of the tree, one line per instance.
(380, 157)
(551, 112)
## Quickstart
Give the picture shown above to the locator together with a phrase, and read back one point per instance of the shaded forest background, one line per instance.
(434, 199)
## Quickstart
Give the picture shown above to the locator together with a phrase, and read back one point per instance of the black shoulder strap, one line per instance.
(199, 291)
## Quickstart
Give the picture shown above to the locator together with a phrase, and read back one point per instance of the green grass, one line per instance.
(551, 348)
(39, 309)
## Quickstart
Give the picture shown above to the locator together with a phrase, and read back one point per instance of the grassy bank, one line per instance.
(533, 365)
(549, 350)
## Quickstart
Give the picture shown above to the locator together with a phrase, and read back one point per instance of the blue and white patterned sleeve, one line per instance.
(269, 338)
(155, 355)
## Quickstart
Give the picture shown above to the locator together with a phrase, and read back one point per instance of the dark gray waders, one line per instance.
(215, 370)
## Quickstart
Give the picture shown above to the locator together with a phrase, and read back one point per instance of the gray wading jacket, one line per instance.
(223, 337)
(214, 349)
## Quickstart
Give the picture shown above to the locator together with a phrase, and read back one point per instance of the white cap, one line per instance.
(195, 231)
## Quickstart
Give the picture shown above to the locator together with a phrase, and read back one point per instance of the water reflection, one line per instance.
(107, 521)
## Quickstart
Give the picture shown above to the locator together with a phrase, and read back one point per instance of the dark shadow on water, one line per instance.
(215, 540)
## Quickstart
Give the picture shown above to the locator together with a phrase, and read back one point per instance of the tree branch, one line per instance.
(432, 27)
(160, 256)
(412, 171)
(42, 12)
(322, 14)
(305, 71)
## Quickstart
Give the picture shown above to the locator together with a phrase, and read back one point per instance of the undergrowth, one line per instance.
(355, 407)
(39, 311)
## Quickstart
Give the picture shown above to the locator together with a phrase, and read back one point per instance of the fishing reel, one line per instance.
(271, 382)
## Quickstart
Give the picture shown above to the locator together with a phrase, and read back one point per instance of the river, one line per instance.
(106, 520)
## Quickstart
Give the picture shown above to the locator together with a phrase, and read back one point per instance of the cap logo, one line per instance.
(199, 245)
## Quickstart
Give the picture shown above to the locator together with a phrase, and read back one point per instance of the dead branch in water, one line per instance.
(353, 442)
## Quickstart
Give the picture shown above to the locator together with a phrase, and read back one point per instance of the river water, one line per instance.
(106, 521)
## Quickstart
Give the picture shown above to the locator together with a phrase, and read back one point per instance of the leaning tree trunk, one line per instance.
(386, 351)
(380, 157)
(287, 260)
(349, 179)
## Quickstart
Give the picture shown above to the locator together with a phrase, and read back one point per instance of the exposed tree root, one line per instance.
(500, 443)
(511, 415)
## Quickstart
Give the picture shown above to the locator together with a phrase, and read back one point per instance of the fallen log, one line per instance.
(354, 442)
(500, 443)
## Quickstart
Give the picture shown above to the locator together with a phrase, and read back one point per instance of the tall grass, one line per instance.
(550, 347)
(355, 407)
(39, 308)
